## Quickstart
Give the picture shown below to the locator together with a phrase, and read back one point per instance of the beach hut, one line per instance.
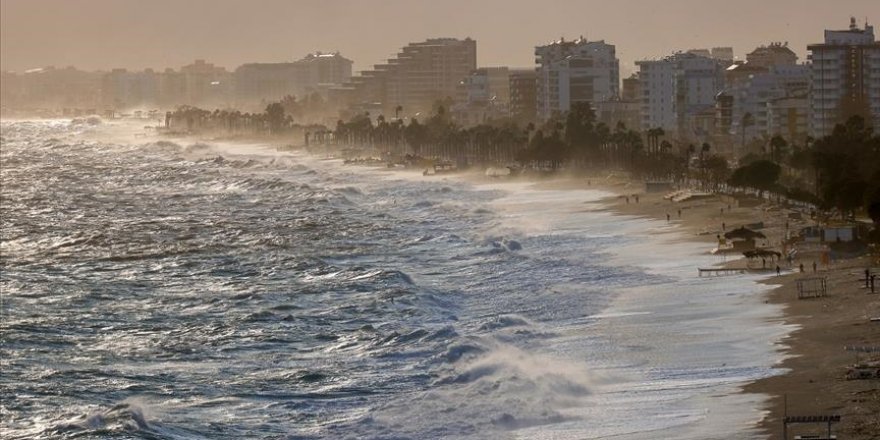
(742, 239)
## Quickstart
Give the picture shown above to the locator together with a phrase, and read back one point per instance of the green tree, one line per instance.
(761, 175)
(275, 117)
(778, 148)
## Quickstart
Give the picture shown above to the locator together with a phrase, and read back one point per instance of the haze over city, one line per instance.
(105, 34)
(464, 220)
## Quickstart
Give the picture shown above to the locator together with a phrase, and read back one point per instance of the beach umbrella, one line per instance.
(762, 253)
(744, 233)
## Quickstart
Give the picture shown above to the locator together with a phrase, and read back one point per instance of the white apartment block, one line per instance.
(569, 72)
(425, 72)
(845, 73)
(753, 94)
(677, 89)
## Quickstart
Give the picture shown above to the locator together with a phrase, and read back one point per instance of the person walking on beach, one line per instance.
(778, 271)
(667, 217)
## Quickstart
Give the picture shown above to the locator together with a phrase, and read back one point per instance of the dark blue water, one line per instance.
(156, 289)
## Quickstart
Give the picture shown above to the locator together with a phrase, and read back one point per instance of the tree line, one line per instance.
(839, 172)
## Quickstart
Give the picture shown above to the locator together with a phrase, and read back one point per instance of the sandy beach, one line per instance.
(817, 355)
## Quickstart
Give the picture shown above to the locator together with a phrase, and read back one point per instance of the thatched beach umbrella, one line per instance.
(744, 233)
(762, 253)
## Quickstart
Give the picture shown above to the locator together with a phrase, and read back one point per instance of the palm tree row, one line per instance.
(193, 119)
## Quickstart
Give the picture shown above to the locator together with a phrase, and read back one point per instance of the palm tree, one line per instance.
(777, 145)
(704, 150)
(689, 153)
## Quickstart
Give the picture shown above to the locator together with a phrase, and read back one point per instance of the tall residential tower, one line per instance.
(569, 72)
(845, 78)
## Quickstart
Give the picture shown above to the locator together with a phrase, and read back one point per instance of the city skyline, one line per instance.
(237, 33)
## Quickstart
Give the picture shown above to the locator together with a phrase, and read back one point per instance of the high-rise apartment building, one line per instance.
(263, 82)
(485, 95)
(752, 88)
(420, 75)
(570, 72)
(121, 89)
(677, 91)
(50, 87)
(206, 84)
(523, 95)
(845, 78)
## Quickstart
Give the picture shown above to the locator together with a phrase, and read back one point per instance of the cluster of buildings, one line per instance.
(699, 95)
(249, 87)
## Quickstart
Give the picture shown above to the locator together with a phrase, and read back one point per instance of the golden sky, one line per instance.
(102, 34)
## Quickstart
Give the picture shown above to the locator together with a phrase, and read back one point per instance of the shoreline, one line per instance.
(812, 354)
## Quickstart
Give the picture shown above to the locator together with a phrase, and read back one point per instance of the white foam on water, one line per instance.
(520, 313)
(681, 347)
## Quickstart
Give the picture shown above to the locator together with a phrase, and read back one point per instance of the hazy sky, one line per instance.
(102, 34)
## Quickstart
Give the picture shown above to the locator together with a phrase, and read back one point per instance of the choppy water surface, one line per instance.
(156, 289)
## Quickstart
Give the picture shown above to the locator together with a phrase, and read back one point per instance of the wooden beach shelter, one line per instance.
(742, 239)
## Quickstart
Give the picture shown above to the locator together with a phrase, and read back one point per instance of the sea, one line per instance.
(157, 288)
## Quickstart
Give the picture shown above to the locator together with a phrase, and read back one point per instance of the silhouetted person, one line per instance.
(872, 283)
(679, 213)
(814, 267)
(867, 277)
(802, 267)
(778, 270)
(667, 217)
(723, 226)
(763, 263)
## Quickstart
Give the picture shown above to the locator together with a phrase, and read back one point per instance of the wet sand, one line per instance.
(813, 357)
